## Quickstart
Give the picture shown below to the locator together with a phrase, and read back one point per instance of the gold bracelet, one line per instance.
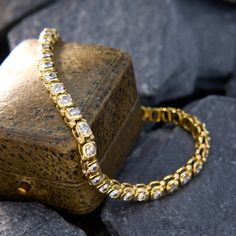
(86, 140)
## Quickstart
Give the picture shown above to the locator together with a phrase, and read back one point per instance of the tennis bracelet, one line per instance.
(85, 139)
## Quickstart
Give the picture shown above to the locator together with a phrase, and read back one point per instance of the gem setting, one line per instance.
(64, 100)
(83, 128)
(89, 150)
(50, 77)
(73, 113)
(57, 88)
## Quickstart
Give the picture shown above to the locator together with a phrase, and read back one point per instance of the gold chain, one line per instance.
(86, 140)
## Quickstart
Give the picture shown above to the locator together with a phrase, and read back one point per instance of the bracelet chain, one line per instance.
(86, 140)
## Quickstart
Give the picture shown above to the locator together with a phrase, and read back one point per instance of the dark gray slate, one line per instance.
(33, 219)
(206, 206)
(231, 87)
(213, 24)
(231, 1)
(177, 46)
(12, 11)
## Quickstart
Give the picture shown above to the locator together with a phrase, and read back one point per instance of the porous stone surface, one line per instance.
(206, 206)
(178, 47)
(33, 219)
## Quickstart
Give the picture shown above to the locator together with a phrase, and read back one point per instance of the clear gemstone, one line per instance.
(89, 150)
(65, 99)
(57, 88)
(103, 188)
(128, 196)
(46, 65)
(93, 168)
(142, 196)
(114, 193)
(48, 77)
(74, 111)
(185, 177)
(172, 185)
(96, 180)
(156, 194)
(84, 129)
(197, 167)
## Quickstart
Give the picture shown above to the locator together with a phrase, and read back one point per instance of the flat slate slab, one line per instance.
(206, 206)
(177, 46)
(231, 86)
(12, 11)
(18, 218)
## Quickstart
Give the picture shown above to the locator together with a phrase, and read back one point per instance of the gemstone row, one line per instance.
(117, 190)
(56, 88)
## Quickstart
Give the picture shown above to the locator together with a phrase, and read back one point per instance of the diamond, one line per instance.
(89, 149)
(57, 88)
(73, 112)
(156, 194)
(197, 167)
(128, 196)
(51, 76)
(93, 168)
(104, 188)
(142, 196)
(83, 128)
(65, 100)
(172, 185)
(185, 177)
(46, 65)
(115, 193)
(97, 180)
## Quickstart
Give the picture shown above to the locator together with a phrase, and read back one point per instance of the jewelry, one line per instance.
(86, 140)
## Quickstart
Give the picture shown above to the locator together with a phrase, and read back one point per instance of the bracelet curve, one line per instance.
(86, 140)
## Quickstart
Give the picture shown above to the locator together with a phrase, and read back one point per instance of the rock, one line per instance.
(206, 206)
(177, 46)
(13, 11)
(17, 218)
(231, 87)
(231, 1)
(123, 25)
(214, 29)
